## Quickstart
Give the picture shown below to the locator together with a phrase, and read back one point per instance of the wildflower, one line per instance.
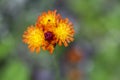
(48, 20)
(34, 37)
(64, 32)
(50, 29)
(74, 55)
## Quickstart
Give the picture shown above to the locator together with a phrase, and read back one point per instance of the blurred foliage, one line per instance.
(6, 46)
(15, 70)
(101, 26)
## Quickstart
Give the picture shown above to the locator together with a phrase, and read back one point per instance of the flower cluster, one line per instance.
(50, 29)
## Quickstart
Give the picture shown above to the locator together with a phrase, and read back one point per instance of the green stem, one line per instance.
(57, 68)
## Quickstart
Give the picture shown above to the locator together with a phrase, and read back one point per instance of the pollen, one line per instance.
(34, 37)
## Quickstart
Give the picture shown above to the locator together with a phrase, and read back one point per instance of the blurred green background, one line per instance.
(94, 55)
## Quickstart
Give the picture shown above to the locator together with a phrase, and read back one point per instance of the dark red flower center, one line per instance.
(48, 36)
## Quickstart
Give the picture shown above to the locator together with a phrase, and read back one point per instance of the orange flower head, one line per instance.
(34, 37)
(64, 32)
(50, 29)
(48, 19)
(74, 55)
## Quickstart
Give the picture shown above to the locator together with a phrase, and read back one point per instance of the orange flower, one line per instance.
(74, 55)
(50, 29)
(64, 32)
(48, 20)
(34, 37)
